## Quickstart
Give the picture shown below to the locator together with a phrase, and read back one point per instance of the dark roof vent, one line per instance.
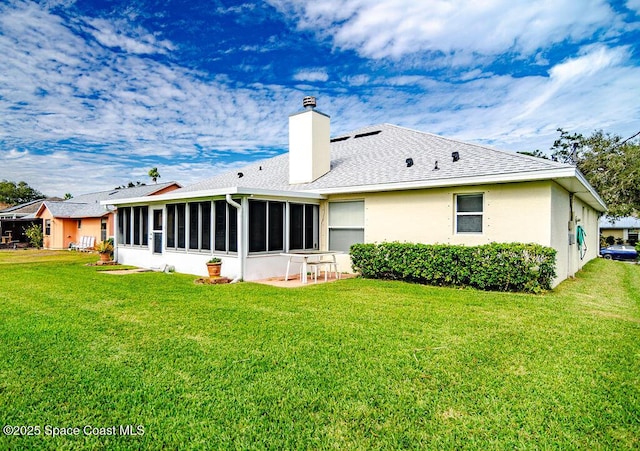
(309, 102)
(362, 135)
(240, 175)
(436, 168)
(455, 156)
(409, 162)
(342, 138)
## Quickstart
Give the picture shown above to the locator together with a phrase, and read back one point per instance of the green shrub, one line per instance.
(495, 266)
(35, 235)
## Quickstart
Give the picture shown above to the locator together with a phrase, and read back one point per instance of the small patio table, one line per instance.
(304, 257)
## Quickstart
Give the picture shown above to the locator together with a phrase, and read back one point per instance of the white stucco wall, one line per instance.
(183, 262)
(528, 212)
(514, 212)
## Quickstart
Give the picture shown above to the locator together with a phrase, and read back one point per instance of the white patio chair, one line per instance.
(90, 243)
(327, 265)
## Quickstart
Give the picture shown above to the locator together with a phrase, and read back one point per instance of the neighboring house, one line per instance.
(65, 222)
(15, 220)
(379, 183)
(623, 230)
(26, 210)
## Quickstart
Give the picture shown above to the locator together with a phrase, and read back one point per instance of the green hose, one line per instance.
(580, 238)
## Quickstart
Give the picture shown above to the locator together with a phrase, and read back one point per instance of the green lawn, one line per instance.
(355, 364)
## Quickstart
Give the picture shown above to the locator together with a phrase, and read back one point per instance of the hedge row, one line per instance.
(495, 266)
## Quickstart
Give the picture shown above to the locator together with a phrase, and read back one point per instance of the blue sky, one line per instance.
(95, 93)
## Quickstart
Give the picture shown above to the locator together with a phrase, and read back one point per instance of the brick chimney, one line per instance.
(309, 151)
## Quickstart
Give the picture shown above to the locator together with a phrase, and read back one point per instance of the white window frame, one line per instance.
(469, 213)
(354, 226)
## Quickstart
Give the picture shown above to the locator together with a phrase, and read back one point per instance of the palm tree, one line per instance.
(154, 174)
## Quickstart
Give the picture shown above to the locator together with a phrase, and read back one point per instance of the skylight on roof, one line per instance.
(342, 138)
(362, 135)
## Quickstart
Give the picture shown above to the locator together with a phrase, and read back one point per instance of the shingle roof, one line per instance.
(27, 210)
(88, 205)
(380, 158)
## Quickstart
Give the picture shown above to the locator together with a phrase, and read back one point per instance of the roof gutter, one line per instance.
(530, 176)
(453, 181)
(240, 239)
(591, 189)
(220, 192)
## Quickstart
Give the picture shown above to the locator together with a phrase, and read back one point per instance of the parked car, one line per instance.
(619, 252)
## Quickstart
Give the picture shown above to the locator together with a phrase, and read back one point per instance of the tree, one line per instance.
(13, 193)
(535, 153)
(154, 174)
(130, 185)
(609, 163)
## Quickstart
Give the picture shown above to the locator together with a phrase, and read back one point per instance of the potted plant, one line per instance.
(104, 249)
(213, 266)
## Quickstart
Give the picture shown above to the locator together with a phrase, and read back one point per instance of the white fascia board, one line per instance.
(557, 175)
(591, 190)
(282, 193)
(221, 192)
(457, 181)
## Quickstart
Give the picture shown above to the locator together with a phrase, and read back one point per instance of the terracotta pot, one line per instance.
(105, 257)
(214, 269)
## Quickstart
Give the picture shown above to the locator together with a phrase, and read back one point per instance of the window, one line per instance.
(200, 226)
(176, 226)
(469, 208)
(181, 232)
(133, 226)
(346, 224)
(171, 226)
(137, 224)
(79, 223)
(124, 225)
(157, 219)
(141, 226)
(205, 225)
(276, 226)
(103, 229)
(47, 227)
(303, 226)
(225, 224)
(266, 226)
(194, 226)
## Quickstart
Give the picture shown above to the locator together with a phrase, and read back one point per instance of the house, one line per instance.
(622, 230)
(15, 220)
(378, 183)
(65, 222)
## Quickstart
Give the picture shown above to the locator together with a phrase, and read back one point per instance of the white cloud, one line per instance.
(634, 5)
(596, 90)
(68, 87)
(394, 28)
(357, 80)
(98, 113)
(119, 34)
(311, 75)
(592, 59)
(572, 73)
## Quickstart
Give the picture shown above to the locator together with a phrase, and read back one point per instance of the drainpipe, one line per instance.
(238, 207)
